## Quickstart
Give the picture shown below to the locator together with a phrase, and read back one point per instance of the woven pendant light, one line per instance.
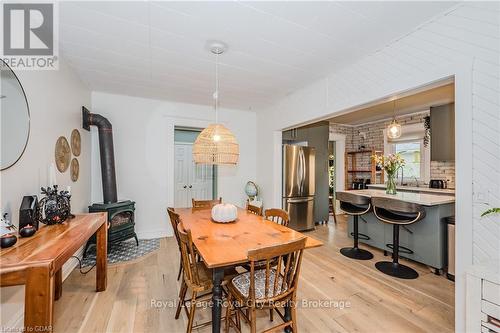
(216, 144)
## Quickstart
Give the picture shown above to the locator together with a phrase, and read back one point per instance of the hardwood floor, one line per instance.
(336, 294)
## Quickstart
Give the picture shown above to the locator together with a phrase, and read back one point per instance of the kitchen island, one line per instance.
(425, 240)
(421, 189)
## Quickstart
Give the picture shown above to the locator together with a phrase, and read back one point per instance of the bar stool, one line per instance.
(355, 205)
(396, 212)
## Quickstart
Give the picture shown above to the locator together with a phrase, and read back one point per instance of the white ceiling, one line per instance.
(157, 49)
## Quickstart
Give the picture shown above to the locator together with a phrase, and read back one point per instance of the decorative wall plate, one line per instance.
(74, 169)
(76, 142)
(62, 154)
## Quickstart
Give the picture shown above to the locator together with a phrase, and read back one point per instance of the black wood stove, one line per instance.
(120, 213)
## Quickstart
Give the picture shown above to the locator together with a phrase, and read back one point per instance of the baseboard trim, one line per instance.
(150, 234)
(72, 263)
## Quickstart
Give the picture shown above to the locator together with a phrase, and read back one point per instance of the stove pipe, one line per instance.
(106, 151)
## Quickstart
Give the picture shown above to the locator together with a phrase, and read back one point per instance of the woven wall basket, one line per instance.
(216, 145)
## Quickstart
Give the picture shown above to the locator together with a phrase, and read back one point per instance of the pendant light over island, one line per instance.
(394, 128)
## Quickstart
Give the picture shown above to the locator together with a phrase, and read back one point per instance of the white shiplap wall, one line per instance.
(469, 31)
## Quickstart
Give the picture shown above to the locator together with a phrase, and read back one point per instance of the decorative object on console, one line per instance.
(27, 231)
(15, 124)
(76, 142)
(62, 154)
(28, 212)
(391, 164)
(74, 169)
(7, 238)
(251, 190)
(224, 213)
(51, 175)
(216, 144)
(55, 207)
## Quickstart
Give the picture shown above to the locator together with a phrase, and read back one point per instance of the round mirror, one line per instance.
(14, 118)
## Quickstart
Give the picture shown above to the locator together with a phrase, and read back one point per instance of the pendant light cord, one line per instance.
(394, 110)
(216, 94)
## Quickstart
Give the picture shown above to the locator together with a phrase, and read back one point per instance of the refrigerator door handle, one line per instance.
(300, 200)
(302, 171)
(299, 171)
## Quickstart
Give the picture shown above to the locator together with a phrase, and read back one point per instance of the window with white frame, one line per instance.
(411, 147)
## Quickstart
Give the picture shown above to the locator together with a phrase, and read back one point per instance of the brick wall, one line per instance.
(444, 171)
(374, 138)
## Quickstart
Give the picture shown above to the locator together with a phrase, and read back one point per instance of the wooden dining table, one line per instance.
(223, 245)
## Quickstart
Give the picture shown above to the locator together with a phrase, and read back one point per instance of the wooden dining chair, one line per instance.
(197, 277)
(174, 221)
(267, 288)
(277, 215)
(254, 209)
(205, 204)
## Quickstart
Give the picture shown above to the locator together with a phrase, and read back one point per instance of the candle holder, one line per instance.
(55, 207)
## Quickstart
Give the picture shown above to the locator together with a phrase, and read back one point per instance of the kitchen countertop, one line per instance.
(426, 199)
(416, 189)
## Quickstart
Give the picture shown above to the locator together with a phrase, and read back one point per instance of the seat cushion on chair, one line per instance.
(242, 284)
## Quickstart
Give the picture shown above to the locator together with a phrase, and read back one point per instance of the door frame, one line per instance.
(214, 171)
(171, 124)
(339, 140)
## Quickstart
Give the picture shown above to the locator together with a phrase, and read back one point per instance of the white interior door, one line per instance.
(191, 180)
(181, 175)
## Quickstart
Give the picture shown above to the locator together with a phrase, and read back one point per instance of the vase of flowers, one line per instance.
(391, 164)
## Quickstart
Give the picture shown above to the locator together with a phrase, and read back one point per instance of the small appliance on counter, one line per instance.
(436, 183)
(360, 184)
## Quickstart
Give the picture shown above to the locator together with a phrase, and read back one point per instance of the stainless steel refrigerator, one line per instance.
(298, 185)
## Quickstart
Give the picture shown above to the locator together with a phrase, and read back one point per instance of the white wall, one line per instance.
(468, 35)
(143, 132)
(55, 99)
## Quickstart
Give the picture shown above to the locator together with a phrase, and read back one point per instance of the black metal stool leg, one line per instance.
(394, 268)
(355, 252)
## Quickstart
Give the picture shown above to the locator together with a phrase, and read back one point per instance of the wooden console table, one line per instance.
(37, 263)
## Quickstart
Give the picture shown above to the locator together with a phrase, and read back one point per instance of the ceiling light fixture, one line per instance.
(216, 144)
(394, 128)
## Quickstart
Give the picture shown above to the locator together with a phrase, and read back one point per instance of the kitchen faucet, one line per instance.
(416, 180)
